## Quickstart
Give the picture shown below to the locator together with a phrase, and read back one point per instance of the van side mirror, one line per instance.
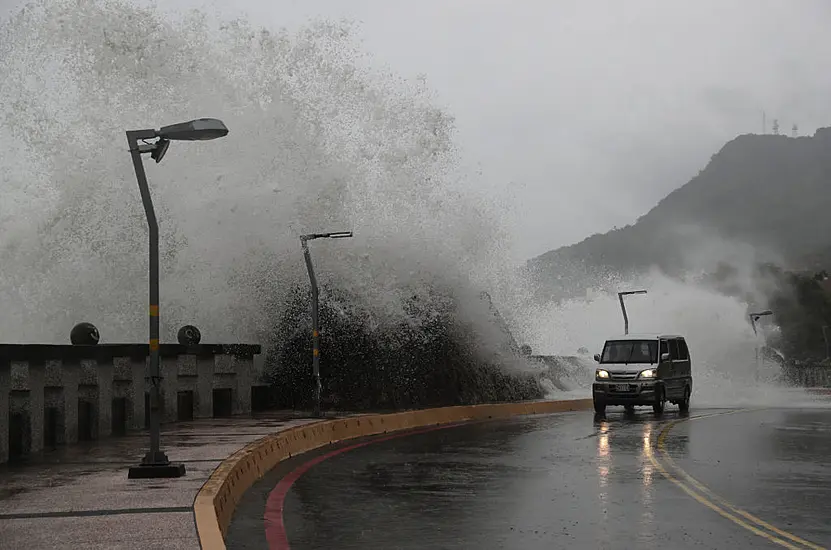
(597, 357)
(664, 357)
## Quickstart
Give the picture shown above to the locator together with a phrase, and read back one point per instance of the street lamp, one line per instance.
(155, 463)
(304, 240)
(753, 318)
(620, 296)
(756, 316)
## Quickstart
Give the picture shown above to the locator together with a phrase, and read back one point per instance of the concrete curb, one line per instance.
(217, 499)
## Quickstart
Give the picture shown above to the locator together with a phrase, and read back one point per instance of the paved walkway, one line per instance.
(79, 497)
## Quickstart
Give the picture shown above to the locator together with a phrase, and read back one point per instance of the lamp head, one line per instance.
(201, 129)
(758, 315)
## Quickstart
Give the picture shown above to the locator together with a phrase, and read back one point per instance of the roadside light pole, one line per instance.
(155, 463)
(304, 243)
(620, 296)
(753, 318)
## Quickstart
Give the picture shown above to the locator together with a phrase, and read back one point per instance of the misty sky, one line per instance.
(585, 114)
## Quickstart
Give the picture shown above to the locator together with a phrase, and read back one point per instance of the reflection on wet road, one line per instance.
(715, 479)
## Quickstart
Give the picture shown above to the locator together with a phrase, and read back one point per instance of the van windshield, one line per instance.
(630, 351)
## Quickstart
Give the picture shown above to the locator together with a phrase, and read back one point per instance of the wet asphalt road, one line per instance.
(738, 479)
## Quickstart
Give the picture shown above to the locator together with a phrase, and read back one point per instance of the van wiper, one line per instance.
(631, 351)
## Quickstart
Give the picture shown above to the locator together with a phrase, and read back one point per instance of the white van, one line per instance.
(643, 370)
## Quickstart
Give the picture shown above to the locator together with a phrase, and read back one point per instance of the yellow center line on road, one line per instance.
(705, 496)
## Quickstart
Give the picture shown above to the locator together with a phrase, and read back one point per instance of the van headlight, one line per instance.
(648, 373)
(602, 374)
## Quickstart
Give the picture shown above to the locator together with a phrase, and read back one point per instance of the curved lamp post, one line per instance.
(753, 318)
(155, 463)
(756, 316)
(304, 240)
(620, 296)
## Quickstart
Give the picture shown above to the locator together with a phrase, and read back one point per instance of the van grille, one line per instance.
(623, 375)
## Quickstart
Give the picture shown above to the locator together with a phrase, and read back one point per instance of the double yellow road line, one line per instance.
(674, 473)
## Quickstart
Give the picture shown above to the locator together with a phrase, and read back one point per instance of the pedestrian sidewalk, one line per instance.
(79, 497)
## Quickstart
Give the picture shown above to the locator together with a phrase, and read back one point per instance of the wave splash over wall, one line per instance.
(318, 142)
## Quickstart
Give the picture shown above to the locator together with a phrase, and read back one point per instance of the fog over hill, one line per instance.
(761, 198)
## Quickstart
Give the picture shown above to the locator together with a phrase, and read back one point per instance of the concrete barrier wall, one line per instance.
(53, 395)
(216, 501)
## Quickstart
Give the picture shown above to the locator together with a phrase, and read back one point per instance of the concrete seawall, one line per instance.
(58, 395)
(217, 499)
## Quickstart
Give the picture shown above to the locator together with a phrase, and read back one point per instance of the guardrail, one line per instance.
(216, 501)
(54, 395)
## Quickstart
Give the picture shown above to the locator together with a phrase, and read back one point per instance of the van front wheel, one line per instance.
(599, 407)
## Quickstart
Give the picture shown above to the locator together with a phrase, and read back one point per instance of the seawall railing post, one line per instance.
(70, 378)
(104, 372)
(37, 402)
(188, 381)
(170, 388)
(138, 372)
(243, 369)
(5, 390)
(205, 385)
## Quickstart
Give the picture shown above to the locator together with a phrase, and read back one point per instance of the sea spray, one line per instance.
(318, 142)
(716, 326)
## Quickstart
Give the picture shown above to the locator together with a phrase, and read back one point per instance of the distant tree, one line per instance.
(801, 308)
(775, 127)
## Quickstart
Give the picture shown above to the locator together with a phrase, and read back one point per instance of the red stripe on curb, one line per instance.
(275, 529)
